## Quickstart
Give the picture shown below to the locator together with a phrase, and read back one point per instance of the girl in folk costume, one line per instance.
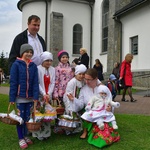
(70, 119)
(24, 89)
(46, 75)
(63, 75)
(74, 86)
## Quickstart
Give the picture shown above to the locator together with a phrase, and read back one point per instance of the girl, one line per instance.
(63, 75)
(99, 67)
(74, 86)
(24, 89)
(46, 75)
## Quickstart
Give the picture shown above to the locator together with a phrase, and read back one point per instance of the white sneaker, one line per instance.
(115, 127)
(101, 126)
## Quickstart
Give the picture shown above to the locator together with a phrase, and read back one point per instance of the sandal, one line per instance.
(23, 144)
(124, 100)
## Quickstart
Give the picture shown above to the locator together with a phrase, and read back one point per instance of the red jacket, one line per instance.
(126, 73)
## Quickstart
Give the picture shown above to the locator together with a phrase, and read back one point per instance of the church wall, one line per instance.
(133, 25)
(73, 13)
(97, 35)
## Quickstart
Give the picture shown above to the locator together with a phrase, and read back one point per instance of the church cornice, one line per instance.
(129, 7)
(21, 3)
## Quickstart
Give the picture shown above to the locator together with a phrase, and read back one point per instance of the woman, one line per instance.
(126, 75)
(99, 67)
(84, 58)
(88, 91)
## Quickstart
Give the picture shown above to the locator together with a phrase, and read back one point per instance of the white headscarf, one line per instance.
(46, 56)
(104, 89)
(80, 69)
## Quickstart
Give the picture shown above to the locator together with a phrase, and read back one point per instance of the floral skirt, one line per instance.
(101, 138)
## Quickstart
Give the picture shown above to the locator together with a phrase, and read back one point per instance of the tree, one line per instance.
(4, 63)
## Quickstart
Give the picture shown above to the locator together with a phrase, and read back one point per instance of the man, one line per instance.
(30, 36)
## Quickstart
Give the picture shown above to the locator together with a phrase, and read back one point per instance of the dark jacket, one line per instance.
(23, 81)
(84, 60)
(20, 39)
(100, 72)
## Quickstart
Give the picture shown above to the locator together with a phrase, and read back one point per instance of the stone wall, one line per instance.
(56, 35)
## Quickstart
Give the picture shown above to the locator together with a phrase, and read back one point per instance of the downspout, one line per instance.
(46, 17)
(91, 33)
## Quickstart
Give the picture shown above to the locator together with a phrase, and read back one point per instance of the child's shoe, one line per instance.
(23, 144)
(28, 141)
(115, 127)
(101, 126)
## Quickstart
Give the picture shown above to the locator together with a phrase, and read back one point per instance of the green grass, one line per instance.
(134, 131)
(5, 84)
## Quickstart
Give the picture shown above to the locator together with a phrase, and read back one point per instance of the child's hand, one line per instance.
(70, 97)
(117, 104)
(88, 107)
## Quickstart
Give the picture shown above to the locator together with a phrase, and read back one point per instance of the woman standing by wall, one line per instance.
(99, 67)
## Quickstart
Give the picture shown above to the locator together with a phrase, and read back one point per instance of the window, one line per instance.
(134, 45)
(77, 38)
(105, 14)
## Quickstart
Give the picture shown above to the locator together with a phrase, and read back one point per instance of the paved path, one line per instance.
(4, 90)
(142, 106)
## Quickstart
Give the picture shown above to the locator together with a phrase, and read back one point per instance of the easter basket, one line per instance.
(9, 118)
(68, 122)
(33, 126)
(59, 108)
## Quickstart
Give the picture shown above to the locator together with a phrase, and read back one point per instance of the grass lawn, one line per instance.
(134, 131)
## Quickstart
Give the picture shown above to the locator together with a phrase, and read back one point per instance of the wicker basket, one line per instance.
(33, 126)
(59, 108)
(8, 119)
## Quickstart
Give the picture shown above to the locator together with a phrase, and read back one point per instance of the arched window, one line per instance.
(105, 14)
(77, 38)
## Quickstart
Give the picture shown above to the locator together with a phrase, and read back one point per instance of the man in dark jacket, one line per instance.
(31, 37)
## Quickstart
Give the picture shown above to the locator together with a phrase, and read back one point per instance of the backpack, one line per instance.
(112, 87)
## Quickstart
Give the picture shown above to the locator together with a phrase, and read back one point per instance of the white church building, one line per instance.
(108, 29)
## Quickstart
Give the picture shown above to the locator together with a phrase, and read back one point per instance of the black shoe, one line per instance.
(124, 100)
(133, 100)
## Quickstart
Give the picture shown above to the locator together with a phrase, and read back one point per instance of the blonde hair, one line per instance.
(83, 49)
(129, 58)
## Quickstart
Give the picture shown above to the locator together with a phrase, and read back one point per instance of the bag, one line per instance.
(122, 83)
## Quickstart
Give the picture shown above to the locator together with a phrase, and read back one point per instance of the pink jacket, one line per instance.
(63, 74)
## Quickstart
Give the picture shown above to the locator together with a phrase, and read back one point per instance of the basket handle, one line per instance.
(14, 106)
(34, 110)
(59, 103)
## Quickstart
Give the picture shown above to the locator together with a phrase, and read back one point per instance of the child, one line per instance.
(74, 86)
(112, 85)
(24, 89)
(46, 75)
(63, 75)
(96, 109)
